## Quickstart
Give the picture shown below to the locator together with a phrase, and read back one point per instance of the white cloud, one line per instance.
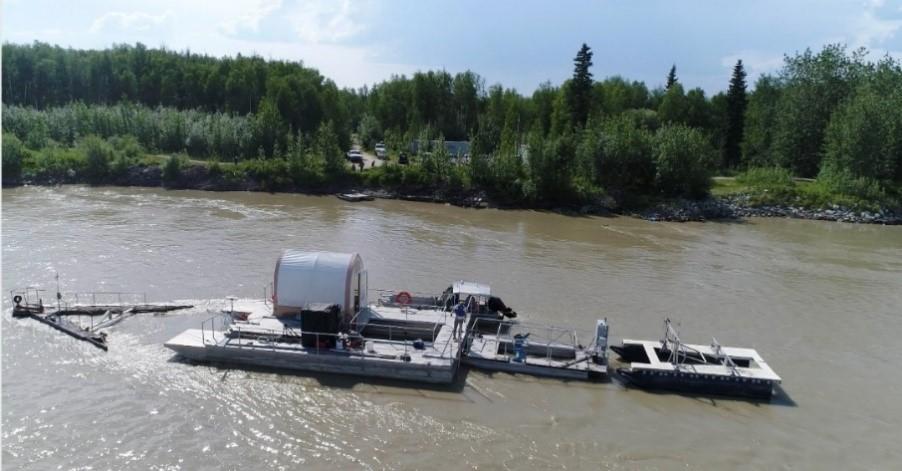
(248, 15)
(323, 21)
(134, 21)
(755, 62)
(871, 30)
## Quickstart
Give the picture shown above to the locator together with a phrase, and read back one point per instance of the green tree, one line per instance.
(684, 161)
(815, 84)
(671, 77)
(369, 131)
(328, 149)
(698, 109)
(731, 151)
(864, 136)
(543, 105)
(674, 107)
(268, 126)
(579, 90)
(760, 123)
(549, 176)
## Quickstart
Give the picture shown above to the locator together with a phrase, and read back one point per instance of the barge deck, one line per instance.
(697, 369)
(517, 348)
(406, 344)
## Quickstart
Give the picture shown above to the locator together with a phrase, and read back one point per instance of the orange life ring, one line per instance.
(403, 298)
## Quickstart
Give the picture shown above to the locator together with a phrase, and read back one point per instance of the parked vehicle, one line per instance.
(381, 151)
(355, 156)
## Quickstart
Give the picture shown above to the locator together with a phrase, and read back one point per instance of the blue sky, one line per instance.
(517, 43)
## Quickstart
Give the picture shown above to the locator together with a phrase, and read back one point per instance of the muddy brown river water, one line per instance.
(822, 302)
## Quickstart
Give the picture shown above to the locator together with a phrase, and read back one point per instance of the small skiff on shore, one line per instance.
(355, 197)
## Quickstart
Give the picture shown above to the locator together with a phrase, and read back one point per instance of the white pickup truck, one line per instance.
(381, 152)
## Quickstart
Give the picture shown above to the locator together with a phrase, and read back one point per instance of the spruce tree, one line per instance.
(579, 94)
(671, 77)
(736, 104)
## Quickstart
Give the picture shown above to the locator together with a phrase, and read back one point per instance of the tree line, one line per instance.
(832, 114)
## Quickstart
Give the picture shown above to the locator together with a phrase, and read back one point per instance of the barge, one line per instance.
(538, 350)
(670, 364)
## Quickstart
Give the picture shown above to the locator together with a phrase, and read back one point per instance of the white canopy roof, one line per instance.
(470, 287)
(303, 278)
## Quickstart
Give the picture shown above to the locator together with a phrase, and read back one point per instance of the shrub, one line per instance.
(627, 160)
(768, 185)
(845, 183)
(684, 160)
(127, 146)
(214, 168)
(55, 162)
(273, 174)
(172, 169)
(306, 170)
(99, 154)
(775, 181)
(14, 153)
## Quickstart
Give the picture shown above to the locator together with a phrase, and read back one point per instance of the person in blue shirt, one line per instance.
(460, 314)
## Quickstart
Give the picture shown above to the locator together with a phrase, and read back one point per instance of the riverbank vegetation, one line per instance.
(832, 117)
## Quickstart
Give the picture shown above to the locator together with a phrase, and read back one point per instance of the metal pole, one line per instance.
(59, 296)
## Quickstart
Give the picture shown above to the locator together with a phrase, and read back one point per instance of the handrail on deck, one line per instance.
(219, 323)
(554, 335)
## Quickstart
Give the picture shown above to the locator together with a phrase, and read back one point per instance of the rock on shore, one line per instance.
(737, 206)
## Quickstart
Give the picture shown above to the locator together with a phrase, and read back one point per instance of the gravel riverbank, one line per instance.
(738, 206)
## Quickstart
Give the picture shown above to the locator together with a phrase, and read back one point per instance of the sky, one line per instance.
(519, 44)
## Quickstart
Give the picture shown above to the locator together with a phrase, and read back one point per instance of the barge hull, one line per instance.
(190, 345)
(692, 384)
(534, 370)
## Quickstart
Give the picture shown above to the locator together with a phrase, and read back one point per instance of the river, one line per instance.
(822, 302)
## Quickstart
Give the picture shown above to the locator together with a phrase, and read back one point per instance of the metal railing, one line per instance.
(221, 330)
(73, 299)
(209, 325)
(386, 297)
(552, 337)
(31, 296)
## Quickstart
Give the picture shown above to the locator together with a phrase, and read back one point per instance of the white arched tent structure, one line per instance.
(304, 278)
